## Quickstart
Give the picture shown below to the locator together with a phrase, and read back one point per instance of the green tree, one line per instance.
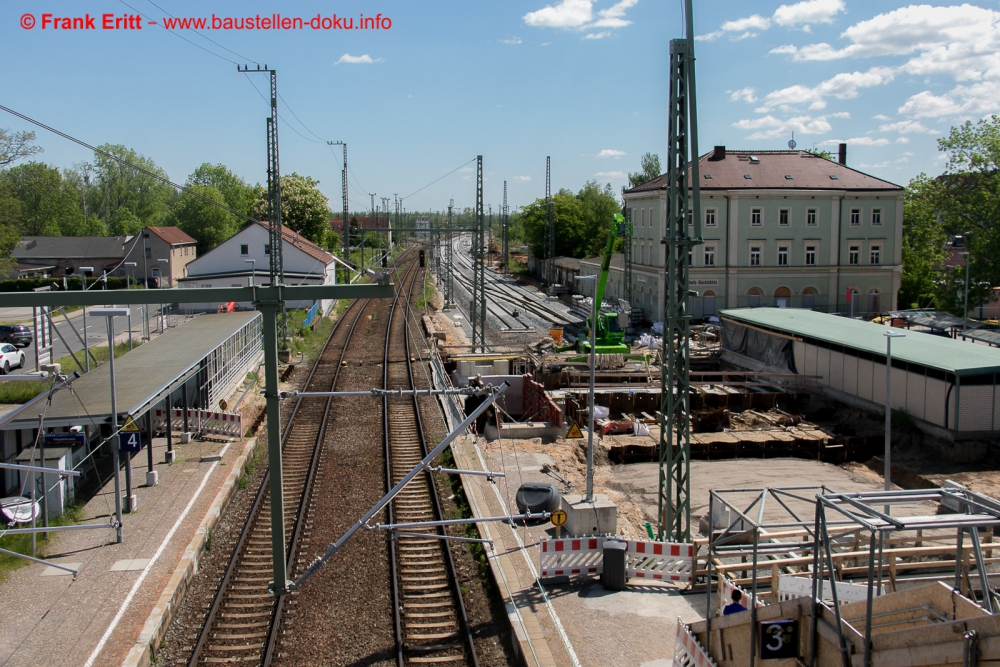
(207, 223)
(968, 204)
(236, 193)
(924, 241)
(48, 206)
(597, 206)
(16, 146)
(650, 163)
(123, 188)
(304, 208)
(568, 219)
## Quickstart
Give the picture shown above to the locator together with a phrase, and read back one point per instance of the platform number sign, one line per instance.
(779, 639)
(130, 438)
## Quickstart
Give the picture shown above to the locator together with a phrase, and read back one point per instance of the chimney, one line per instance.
(842, 154)
(719, 153)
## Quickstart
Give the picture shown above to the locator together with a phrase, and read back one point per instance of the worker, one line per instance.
(736, 606)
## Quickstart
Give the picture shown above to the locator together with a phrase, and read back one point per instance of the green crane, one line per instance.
(610, 337)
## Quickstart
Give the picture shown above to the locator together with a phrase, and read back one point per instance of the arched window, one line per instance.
(782, 297)
(873, 300)
(753, 297)
(708, 303)
(809, 298)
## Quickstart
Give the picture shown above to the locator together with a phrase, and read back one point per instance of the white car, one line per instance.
(10, 357)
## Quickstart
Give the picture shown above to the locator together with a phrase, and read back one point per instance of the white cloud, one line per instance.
(879, 165)
(902, 140)
(745, 94)
(611, 152)
(907, 127)
(880, 116)
(745, 35)
(522, 179)
(566, 14)
(615, 175)
(755, 22)
(843, 86)
(511, 40)
(769, 127)
(366, 59)
(579, 15)
(709, 36)
(467, 169)
(857, 141)
(810, 11)
(597, 35)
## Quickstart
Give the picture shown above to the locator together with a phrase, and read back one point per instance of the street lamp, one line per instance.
(128, 285)
(889, 335)
(253, 270)
(965, 320)
(110, 314)
(170, 283)
(590, 412)
(86, 345)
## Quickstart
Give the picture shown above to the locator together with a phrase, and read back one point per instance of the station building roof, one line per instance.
(142, 377)
(945, 354)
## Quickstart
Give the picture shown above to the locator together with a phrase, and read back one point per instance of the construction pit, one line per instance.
(750, 431)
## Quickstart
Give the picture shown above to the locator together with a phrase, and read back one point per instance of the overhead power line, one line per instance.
(438, 179)
(126, 163)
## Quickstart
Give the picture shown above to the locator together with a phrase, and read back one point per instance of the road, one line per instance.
(97, 332)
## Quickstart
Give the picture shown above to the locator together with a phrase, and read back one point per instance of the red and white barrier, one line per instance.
(726, 595)
(203, 421)
(688, 652)
(662, 561)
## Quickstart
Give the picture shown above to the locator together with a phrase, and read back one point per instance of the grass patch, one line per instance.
(308, 341)
(427, 296)
(21, 544)
(21, 391)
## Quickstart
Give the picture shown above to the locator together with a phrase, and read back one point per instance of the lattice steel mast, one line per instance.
(345, 229)
(448, 263)
(674, 522)
(550, 229)
(505, 221)
(478, 310)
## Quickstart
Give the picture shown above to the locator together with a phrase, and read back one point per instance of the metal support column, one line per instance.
(505, 221)
(478, 310)
(270, 311)
(550, 229)
(449, 278)
(674, 516)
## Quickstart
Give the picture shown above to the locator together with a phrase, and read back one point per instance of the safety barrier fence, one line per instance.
(688, 652)
(206, 422)
(644, 559)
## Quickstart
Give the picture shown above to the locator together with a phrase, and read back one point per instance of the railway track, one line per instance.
(431, 622)
(243, 619)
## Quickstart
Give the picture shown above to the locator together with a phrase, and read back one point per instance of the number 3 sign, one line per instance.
(779, 639)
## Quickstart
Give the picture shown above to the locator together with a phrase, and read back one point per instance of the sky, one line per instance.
(437, 83)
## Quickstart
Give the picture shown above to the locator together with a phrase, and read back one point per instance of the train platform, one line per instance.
(572, 624)
(118, 605)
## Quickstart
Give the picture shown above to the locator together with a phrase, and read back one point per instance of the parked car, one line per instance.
(11, 357)
(15, 334)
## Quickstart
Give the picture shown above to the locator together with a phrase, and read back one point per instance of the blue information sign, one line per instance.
(65, 439)
(130, 442)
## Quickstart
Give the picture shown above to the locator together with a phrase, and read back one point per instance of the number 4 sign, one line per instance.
(779, 639)
(130, 438)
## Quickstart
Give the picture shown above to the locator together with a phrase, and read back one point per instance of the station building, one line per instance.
(787, 229)
(948, 387)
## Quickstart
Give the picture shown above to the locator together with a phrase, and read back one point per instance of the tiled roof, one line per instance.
(772, 169)
(171, 235)
(302, 243)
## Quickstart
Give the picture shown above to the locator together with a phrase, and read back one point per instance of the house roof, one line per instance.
(69, 247)
(946, 354)
(172, 235)
(302, 243)
(771, 169)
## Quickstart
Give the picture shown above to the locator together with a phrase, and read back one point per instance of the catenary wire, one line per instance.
(438, 179)
(203, 36)
(148, 18)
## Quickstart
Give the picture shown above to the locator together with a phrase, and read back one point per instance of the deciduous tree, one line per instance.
(16, 146)
(650, 163)
(208, 224)
(304, 208)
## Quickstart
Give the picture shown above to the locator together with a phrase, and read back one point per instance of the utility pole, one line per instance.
(478, 310)
(448, 248)
(550, 229)
(674, 520)
(505, 222)
(346, 230)
(385, 209)
(274, 309)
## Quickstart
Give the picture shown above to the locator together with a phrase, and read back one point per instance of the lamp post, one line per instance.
(590, 403)
(253, 270)
(86, 345)
(889, 335)
(170, 283)
(965, 320)
(128, 286)
(110, 314)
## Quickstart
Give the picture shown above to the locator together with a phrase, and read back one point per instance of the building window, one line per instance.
(753, 297)
(690, 256)
(810, 255)
(876, 216)
(782, 255)
(690, 216)
(709, 255)
(755, 255)
(876, 254)
(855, 217)
(149, 252)
(708, 303)
(811, 217)
(267, 248)
(854, 255)
(642, 216)
(783, 217)
(244, 249)
(710, 217)
(756, 216)
(808, 298)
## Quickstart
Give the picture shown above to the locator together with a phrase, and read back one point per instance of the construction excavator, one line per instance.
(610, 337)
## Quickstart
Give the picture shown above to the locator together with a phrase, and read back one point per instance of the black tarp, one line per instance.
(769, 350)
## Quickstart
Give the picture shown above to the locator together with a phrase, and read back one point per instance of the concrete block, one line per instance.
(152, 478)
(130, 503)
(596, 518)
(169, 457)
(185, 438)
(51, 369)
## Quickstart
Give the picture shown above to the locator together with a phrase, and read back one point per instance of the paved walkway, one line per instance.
(50, 619)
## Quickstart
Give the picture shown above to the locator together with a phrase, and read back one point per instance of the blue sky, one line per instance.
(584, 81)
